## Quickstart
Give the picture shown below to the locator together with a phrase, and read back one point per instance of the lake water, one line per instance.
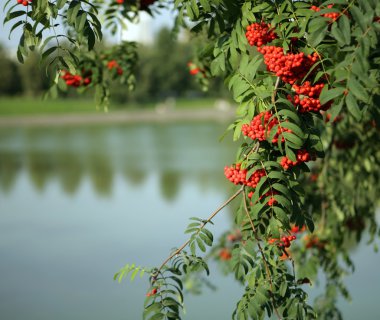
(78, 203)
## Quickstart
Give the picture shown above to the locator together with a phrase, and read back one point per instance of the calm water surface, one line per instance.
(76, 204)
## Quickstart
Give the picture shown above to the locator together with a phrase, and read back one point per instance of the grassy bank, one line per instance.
(21, 106)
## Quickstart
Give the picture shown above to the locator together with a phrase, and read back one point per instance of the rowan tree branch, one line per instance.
(261, 251)
(201, 227)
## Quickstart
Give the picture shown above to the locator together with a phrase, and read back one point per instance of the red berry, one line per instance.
(302, 156)
(112, 64)
(260, 127)
(291, 66)
(194, 71)
(259, 34)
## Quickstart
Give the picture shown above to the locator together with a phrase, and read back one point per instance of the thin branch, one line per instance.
(275, 91)
(261, 251)
(254, 149)
(202, 226)
(274, 102)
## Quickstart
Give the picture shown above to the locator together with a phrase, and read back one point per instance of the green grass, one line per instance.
(20, 106)
(36, 106)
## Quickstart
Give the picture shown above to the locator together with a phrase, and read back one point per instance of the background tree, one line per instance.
(10, 79)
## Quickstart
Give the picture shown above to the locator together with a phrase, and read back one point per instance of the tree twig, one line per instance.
(275, 90)
(202, 226)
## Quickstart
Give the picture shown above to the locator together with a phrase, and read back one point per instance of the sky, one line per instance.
(144, 31)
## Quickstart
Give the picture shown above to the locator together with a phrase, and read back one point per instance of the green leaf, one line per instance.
(327, 95)
(345, 27)
(277, 175)
(90, 38)
(261, 295)
(292, 114)
(320, 30)
(195, 8)
(48, 52)
(294, 128)
(281, 188)
(357, 89)
(60, 3)
(157, 316)
(240, 87)
(201, 244)
(134, 273)
(358, 17)
(293, 139)
(353, 106)
(283, 288)
(253, 65)
(281, 216)
(205, 239)
(80, 21)
(17, 24)
(73, 10)
(335, 110)
(205, 4)
(208, 234)
(338, 35)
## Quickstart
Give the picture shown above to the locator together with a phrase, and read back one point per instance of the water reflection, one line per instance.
(10, 165)
(98, 154)
(72, 241)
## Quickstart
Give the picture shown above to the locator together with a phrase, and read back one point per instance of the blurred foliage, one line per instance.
(162, 73)
(10, 79)
(27, 79)
(155, 80)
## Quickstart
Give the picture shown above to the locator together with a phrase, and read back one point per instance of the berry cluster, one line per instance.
(284, 242)
(238, 176)
(112, 64)
(235, 174)
(302, 156)
(193, 69)
(313, 242)
(24, 2)
(289, 67)
(225, 254)
(119, 1)
(336, 119)
(259, 34)
(272, 201)
(314, 177)
(307, 98)
(233, 237)
(296, 229)
(331, 15)
(254, 179)
(152, 292)
(307, 89)
(77, 80)
(260, 127)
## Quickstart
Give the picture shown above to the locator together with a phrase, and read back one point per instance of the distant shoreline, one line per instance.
(117, 117)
